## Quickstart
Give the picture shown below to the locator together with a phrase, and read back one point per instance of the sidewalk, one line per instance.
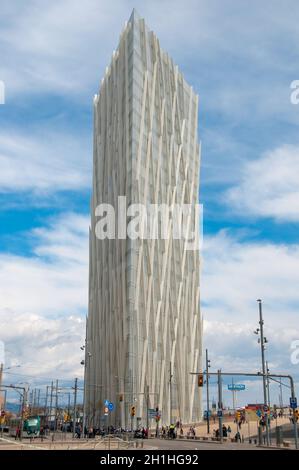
(247, 429)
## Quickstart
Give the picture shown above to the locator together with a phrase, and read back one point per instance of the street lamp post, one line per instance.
(23, 401)
(75, 407)
(208, 396)
(263, 341)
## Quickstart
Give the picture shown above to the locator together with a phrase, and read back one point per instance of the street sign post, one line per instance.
(236, 387)
(219, 413)
(110, 406)
(293, 403)
(151, 412)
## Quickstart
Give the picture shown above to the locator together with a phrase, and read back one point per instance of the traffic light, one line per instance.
(133, 411)
(200, 380)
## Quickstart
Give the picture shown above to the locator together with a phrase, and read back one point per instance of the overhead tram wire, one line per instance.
(43, 377)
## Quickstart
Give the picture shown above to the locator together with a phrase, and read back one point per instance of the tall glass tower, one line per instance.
(144, 328)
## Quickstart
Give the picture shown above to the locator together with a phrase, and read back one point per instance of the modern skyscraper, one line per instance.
(144, 329)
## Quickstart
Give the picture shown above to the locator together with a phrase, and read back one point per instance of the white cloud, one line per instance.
(55, 279)
(235, 274)
(57, 46)
(43, 300)
(269, 186)
(64, 46)
(44, 347)
(44, 162)
(233, 55)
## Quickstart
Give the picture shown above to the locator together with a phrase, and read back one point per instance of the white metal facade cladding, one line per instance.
(143, 294)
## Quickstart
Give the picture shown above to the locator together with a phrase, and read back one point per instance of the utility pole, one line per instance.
(208, 396)
(68, 404)
(263, 340)
(75, 407)
(294, 412)
(234, 396)
(38, 399)
(280, 396)
(51, 404)
(170, 394)
(220, 405)
(1, 374)
(268, 385)
(22, 413)
(56, 406)
(34, 401)
(268, 399)
(46, 405)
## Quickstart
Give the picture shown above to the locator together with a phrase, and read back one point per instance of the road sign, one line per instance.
(152, 412)
(219, 413)
(106, 403)
(259, 413)
(110, 406)
(293, 403)
(265, 408)
(236, 387)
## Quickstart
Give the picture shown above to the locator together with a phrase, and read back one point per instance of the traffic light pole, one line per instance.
(265, 378)
(75, 407)
(208, 397)
(274, 376)
(294, 412)
(220, 407)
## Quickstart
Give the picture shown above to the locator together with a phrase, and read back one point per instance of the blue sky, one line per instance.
(241, 58)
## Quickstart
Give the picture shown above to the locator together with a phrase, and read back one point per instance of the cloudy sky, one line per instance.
(240, 57)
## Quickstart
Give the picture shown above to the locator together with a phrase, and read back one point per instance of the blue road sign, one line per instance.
(106, 403)
(293, 403)
(236, 387)
(259, 413)
(110, 406)
(219, 413)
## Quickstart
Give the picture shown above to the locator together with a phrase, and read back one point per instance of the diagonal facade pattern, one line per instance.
(144, 329)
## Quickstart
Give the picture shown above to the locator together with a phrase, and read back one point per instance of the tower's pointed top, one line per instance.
(134, 16)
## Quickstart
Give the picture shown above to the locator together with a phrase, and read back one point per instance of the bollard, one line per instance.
(278, 436)
(260, 435)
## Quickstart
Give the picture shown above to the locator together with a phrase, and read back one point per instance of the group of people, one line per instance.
(226, 432)
(141, 433)
(191, 433)
(169, 432)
